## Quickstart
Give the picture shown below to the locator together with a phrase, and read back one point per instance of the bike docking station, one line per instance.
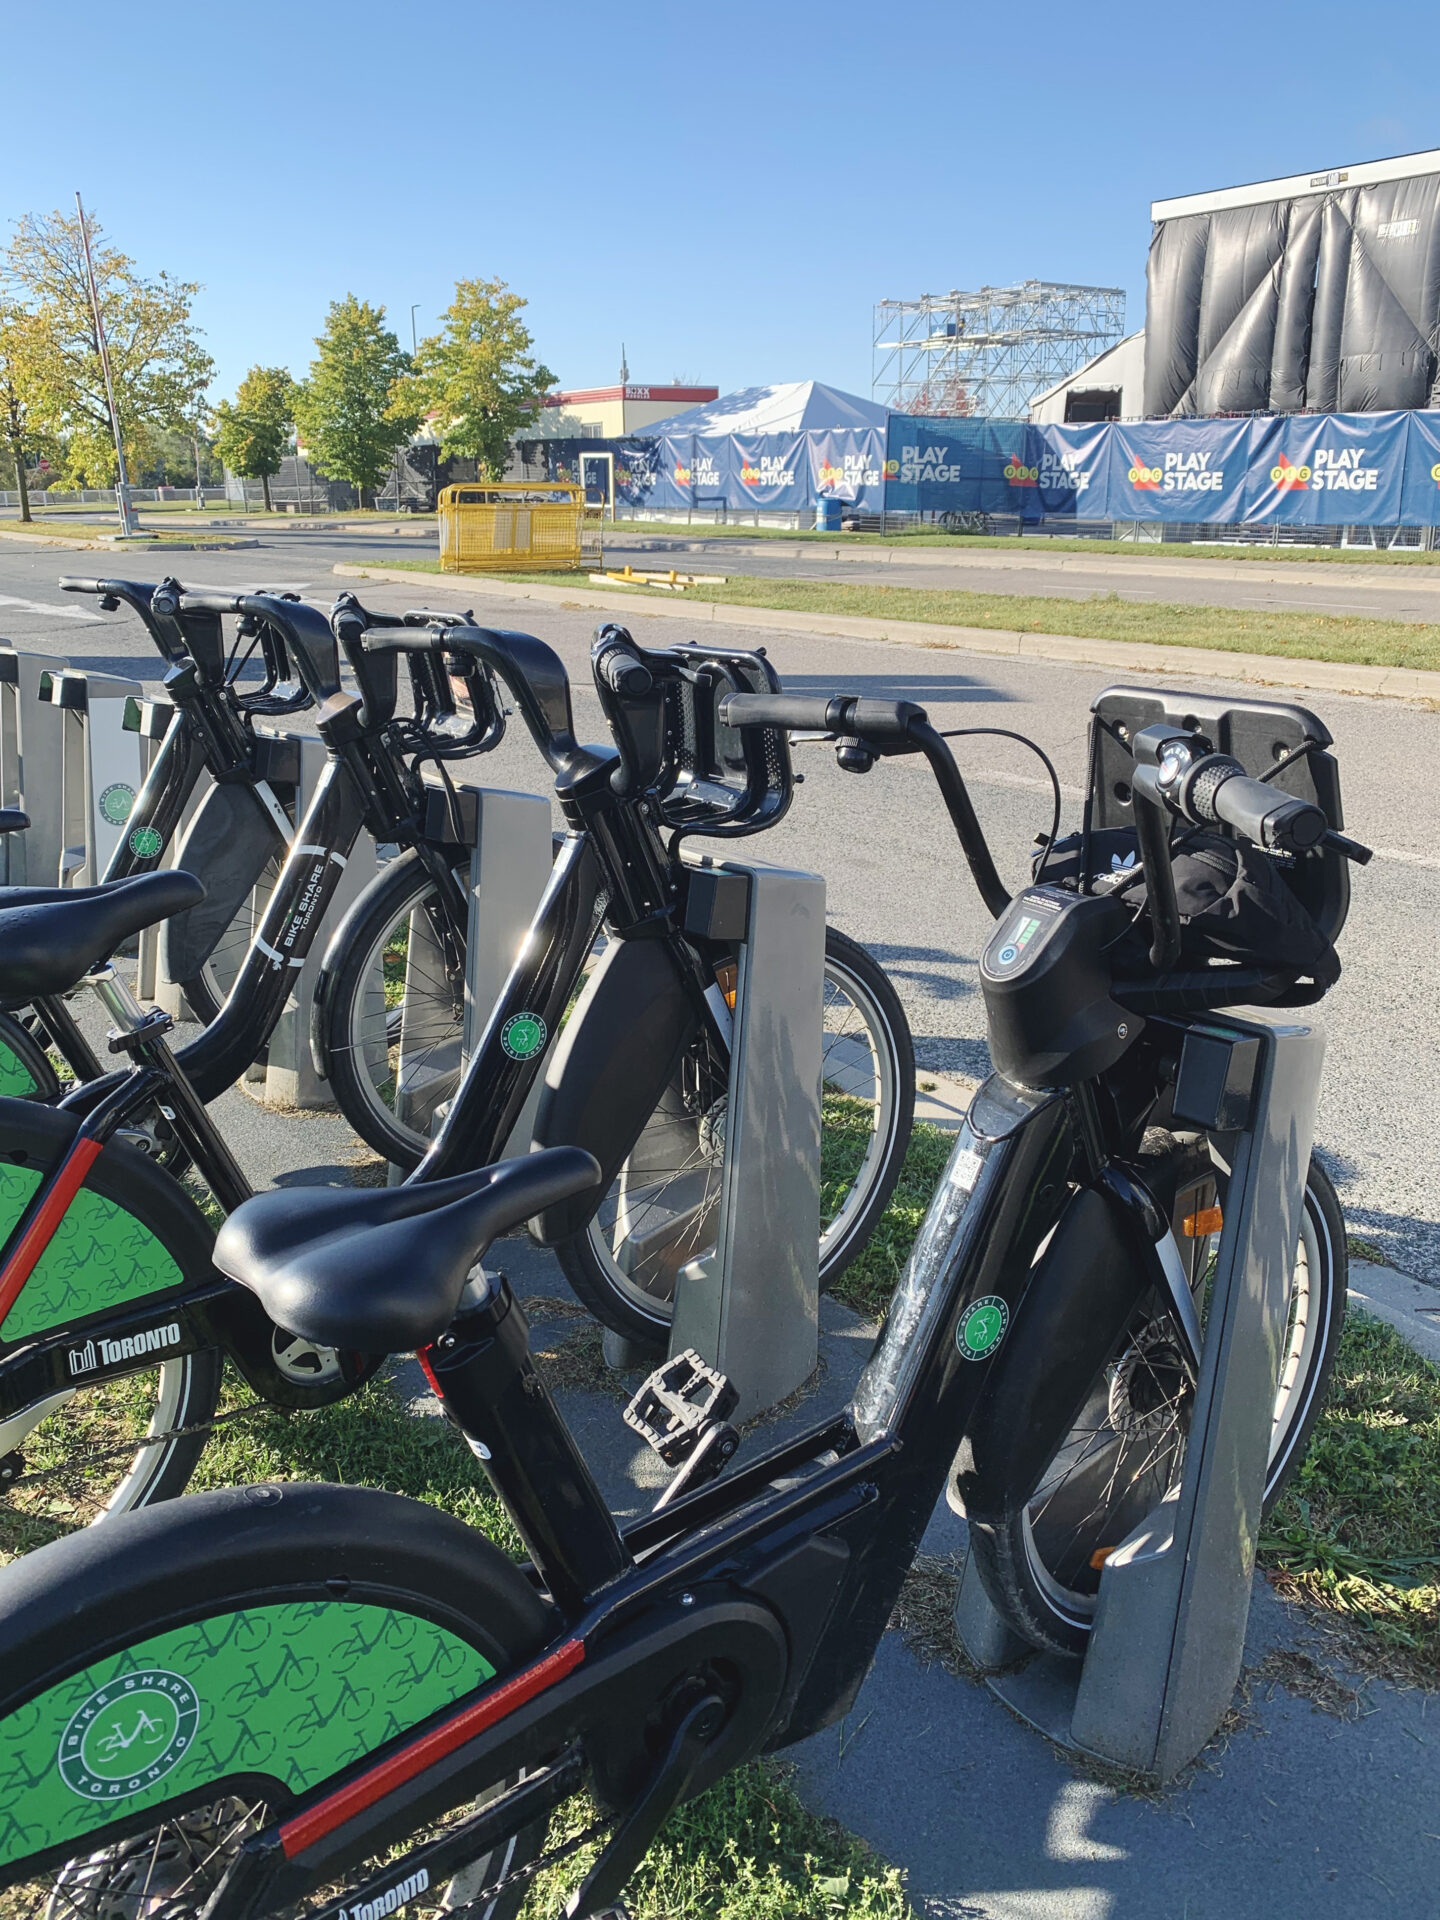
(749, 1304)
(511, 847)
(1168, 1637)
(67, 759)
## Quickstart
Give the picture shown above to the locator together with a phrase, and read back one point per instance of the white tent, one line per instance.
(793, 407)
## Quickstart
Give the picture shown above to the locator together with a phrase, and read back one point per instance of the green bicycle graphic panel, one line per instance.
(101, 1257)
(16, 1080)
(294, 1692)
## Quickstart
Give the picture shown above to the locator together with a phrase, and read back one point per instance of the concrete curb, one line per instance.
(1326, 676)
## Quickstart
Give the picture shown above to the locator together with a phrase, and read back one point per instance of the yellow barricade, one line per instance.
(522, 527)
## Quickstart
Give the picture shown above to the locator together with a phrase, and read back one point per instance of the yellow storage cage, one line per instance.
(514, 527)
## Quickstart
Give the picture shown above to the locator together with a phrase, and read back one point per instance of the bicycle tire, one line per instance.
(49, 1485)
(26, 1069)
(1041, 1605)
(225, 1598)
(640, 1312)
(348, 1017)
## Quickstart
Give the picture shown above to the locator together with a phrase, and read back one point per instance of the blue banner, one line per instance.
(1071, 470)
(941, 466)
(771, 471)
(1178, 470)
(848, 465)
(1321, 470)
(1420, 494)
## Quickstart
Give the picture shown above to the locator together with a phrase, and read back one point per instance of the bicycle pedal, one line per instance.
(678, 1404)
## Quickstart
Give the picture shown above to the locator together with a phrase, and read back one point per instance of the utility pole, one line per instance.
(129, 524)
(413, 312)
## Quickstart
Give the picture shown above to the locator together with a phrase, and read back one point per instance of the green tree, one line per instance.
(15, 332)
(158, 365)
(354, 413)
(252, 436)
(479, 378)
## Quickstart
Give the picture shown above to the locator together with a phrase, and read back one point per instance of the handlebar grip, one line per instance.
(623, 674)
(72, 583)
(1219, 790)
(806, 712)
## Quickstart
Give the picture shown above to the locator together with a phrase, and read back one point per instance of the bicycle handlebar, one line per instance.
(882, 726)
(304, 628)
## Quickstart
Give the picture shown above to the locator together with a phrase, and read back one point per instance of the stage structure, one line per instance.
(988, 354)
(1314, 294)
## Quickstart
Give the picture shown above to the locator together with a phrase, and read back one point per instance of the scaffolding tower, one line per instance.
(989, 353)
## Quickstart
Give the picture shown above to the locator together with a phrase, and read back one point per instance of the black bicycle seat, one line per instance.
(13, 819)
(381, 1269)
(51, 937)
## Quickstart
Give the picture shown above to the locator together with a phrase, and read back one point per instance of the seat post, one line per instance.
(487, 1381)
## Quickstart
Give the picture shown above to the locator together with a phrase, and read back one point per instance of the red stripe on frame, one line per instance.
(67, 1181)
(306, 1828)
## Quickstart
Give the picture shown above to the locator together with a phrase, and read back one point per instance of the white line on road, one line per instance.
(44, 606)
(1408, 859)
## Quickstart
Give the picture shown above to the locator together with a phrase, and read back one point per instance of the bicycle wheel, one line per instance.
(1041, 1560)
(392, 1012)
(91, 1452)
(660, 1212)
(26, 1069)
(299, 1631)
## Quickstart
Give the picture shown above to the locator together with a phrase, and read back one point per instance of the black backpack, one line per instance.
(1233, 899)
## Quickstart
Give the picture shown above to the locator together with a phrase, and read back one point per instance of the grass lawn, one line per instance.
(1043, 543)
(1291, 636)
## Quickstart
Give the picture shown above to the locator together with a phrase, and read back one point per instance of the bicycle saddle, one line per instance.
(381, 1269)
(51, 937)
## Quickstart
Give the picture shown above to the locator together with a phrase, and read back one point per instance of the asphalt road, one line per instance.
(893, 872)
(1410, 594)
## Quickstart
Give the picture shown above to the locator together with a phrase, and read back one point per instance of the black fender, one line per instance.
(226, 844)
(1083, 1290)
(613, 1061)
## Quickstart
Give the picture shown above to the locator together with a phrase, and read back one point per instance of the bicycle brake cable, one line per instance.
(1004, 733)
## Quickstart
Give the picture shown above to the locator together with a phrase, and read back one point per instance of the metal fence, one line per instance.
(105, 496)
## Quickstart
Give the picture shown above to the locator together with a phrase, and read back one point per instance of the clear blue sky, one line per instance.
(727, 189)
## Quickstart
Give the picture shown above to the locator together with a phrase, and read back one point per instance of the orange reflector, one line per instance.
(727, 976)
(1100, 1556)
(1207, 1220)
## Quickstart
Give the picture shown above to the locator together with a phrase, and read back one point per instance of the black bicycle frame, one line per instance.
(776, 1582)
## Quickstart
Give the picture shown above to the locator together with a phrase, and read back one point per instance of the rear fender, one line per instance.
(613, 1061)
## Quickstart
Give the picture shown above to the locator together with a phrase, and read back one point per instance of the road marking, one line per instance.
(44, 606)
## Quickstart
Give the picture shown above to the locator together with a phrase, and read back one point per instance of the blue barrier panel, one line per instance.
(850, 465)
(1318, 469)
(1420, 491)
(1071, 466)
(1178, 470)
(770, 471)
(941, 466)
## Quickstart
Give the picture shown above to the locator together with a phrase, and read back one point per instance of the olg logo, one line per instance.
(128, 1735)
(1019, 475)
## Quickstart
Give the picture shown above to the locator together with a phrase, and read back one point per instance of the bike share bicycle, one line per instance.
(353, 1700)
(653, 1015)
(212, 729)
(81, 1432)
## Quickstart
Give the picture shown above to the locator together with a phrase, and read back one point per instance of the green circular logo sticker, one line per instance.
(116, 802)
(145, 843)
(982, 1327)
(523, 1035)
(130, 1733)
